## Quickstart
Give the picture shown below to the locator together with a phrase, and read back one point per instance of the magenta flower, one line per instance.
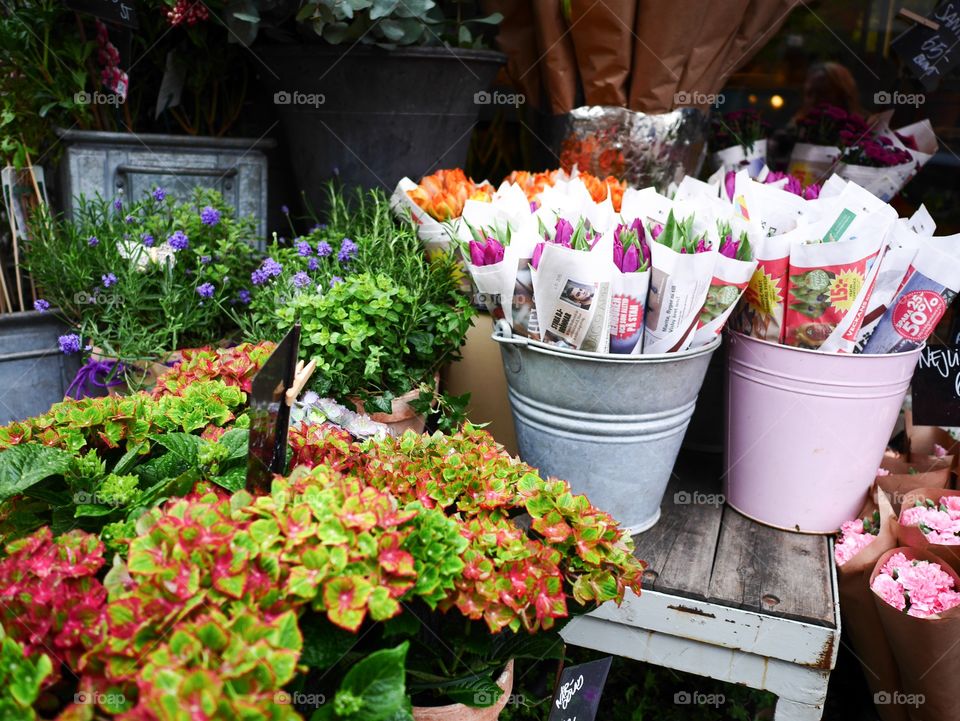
(730, 183)
(486, 252)
(630, 250)
(655, 230)
(811, 192)
(537, 252)
(563, 233)
(729, 247)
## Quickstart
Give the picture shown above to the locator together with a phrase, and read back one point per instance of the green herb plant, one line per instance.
(140, 280)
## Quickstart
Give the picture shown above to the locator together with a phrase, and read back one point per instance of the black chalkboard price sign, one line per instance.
(936, 387)
(930, 54)
(577, 697)
(121, 12)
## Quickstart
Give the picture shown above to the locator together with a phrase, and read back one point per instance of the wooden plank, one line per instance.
(798, 642)
(680, 547)
(771, 571)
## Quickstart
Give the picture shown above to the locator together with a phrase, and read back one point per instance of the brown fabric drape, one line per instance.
(647, 55)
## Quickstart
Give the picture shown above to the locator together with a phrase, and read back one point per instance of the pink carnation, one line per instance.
(851, 545)
(890, 591)
(925, 587)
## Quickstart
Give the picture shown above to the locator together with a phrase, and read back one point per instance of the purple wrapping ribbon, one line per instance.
(95, 374)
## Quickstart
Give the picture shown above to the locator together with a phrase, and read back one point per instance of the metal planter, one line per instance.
(609, 424)
(34, 374)
(111, 164)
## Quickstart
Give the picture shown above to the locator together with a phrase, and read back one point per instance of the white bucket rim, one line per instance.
(546, 349)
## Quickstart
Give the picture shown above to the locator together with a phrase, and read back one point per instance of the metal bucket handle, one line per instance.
(512, 359)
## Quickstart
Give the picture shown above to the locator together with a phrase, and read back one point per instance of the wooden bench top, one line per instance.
(709, 552)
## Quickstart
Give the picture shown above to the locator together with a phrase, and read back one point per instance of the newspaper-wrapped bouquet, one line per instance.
(871, 154)
(439, 201)
(738, 141)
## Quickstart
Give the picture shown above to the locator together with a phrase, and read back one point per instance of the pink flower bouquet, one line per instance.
(898, 477)
(917, 599)
(918, 588)
(855, 536)
(930, 519)
(873, 537)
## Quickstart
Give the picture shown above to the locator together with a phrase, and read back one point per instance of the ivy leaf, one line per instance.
(380, 404)
(25, 465)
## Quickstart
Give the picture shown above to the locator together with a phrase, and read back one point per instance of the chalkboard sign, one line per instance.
(936, 387)
(116, 11)
(577, 697)
(930, 54)
(270, 414)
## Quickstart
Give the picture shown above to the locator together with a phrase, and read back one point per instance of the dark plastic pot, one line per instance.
(34, 374)
(371, 116)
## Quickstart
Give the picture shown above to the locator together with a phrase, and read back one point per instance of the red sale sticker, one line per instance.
(917, 314)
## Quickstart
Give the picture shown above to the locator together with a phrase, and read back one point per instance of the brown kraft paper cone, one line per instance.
(660, 53)
(901, 481)
(921, 440)
(555, 61)
(913, 537)
(927, 651)
(603, 42)
(710, 45)
(517, 38)
(860, 618)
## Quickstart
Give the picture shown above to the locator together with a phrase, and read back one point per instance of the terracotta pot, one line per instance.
(462, 712)
(402, 416)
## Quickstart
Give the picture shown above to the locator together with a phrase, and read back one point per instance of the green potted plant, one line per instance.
(117, 134)
(372, 91)
(518, 583)
(379, 317)
(378, 580)
(139, 280)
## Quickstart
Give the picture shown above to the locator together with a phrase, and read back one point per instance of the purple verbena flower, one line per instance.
(259, 276)
(348, 249)
(41, 305)
(335, 279)
(324, 249)
(210, 216)
(159, 194)
(129, 219)
(300, 280)
(303, 248)
(205, 290)
(205, 259)
(272, 267)
(93, 241)
(179, 240)
(147, 240)
(244, 296)
(69, 343)
(108, 280)
(118, 204)
(313, 264)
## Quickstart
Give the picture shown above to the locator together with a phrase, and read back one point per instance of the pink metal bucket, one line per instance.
(806, 430)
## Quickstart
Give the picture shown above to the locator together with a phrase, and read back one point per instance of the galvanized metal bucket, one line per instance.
(34, 374)
(609, 424)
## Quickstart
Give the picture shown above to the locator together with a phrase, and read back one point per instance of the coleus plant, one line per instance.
(51, 598)
(234, 366)
(518, 585)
